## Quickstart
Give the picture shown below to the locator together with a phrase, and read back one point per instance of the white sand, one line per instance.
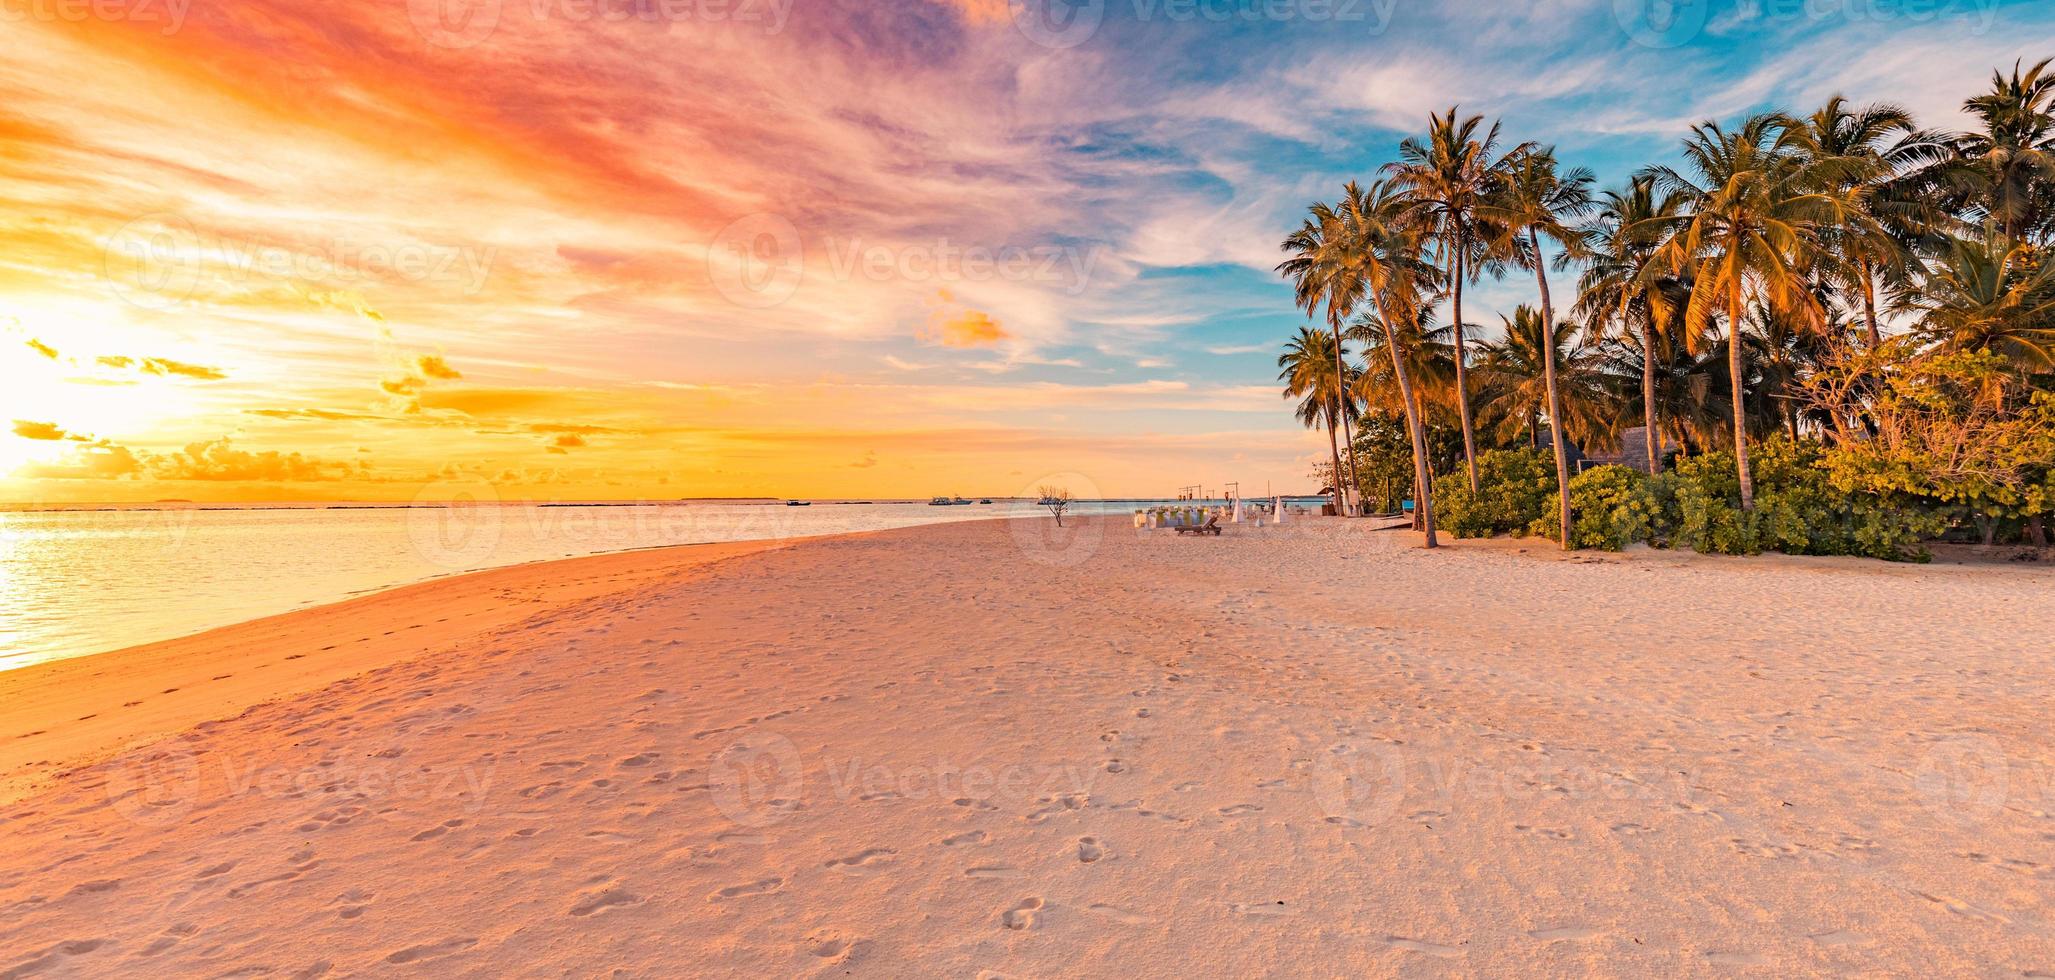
(975, 750)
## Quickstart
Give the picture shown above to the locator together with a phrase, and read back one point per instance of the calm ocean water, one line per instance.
(80, 582)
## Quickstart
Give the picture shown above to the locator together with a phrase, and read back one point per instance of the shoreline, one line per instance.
(129, 694)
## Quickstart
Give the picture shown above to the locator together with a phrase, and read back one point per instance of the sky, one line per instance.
(653, 249)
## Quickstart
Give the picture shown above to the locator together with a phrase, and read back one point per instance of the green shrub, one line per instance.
(1615, 507)
(1514, 488)
(1797, 510)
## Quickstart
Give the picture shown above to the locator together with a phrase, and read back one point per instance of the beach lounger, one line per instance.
(1212, 526)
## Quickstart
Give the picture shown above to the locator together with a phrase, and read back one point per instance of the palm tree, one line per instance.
(1688, 371)
(1854, 150)
(1307, 369)
(1321, 271)
(1989, 295)
(2009, 165)
(1363, 248)
(1429, 355)
(1516, 376)
(1537, 201)
(1613, 288)
(1754, 220)
(1445, 181)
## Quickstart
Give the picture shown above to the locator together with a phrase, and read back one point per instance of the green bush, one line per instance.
(1514, 488)
(1797, 510)
(1615, 507)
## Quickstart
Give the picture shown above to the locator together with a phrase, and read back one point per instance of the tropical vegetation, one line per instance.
(1828, 333)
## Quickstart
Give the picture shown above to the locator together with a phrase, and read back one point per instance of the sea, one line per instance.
(82, 581)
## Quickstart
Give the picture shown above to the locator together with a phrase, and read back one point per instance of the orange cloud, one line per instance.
(421, 371)
(166, 367)
(969, 328)
(433, 366)
(218, 460)
(980, 11)
(102, 460)
(45, 431)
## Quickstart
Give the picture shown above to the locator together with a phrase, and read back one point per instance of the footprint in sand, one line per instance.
(1422, 946)
(1120, 915)
(828, 946)
(1022, 916)
(971, 837)
(1089, 849)
(1238, 809)
(425, 951)
(762, 886)
(595, 902)
(866, 862)
(1843, 937)
(1262, 910)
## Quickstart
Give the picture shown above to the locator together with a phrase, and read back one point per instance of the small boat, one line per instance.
(799, 503)
(987, 500)
(1047, 502)
(941, 502)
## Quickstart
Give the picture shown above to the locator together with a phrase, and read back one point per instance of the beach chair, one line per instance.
(1212, 526)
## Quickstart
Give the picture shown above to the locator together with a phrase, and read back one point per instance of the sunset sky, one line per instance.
(271, 250)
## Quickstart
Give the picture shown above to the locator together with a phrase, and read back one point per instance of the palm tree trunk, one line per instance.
(1734, 380)
(1334, 456)
(1458, 265)
(1342, 397)
(1555, 406)
(1869, 307)
(1423, 497)
(1655, 449)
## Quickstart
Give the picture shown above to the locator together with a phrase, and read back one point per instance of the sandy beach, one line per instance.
(996, 749)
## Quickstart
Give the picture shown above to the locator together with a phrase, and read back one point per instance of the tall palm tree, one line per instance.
(1321, 269)
(1538, 201)
(1989, 295)
(1754, 220)
(1869, 151)
(1622, 241)
(1445, 180)
(1362, 249)
(1307, 368)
